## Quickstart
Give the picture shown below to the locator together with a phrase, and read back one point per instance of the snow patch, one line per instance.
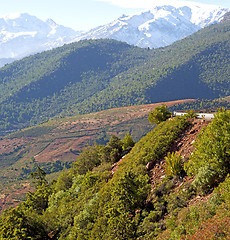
(166, 22)
(12, 16)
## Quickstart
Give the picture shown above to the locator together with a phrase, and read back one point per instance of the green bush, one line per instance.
(127, 142)
(205, 179)
(160, 114)
(210, 162)
(173, 164)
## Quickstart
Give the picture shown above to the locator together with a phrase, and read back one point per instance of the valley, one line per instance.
(95, 75)
(55, 141)
(90, 147)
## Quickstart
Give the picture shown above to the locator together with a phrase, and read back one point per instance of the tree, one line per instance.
(39, 177)
(115, 142)
(20, 223)
(87, 160)
(115, 148)
(127, 142)
(159, 114)
(39, 199)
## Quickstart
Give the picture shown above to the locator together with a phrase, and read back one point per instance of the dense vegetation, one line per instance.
(89, 76)
(203, 104)
(88, 202)
(53, 145)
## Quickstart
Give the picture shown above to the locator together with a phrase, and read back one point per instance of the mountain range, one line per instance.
(93, 75)
(160, 26)
(22, 34)
(161, 187)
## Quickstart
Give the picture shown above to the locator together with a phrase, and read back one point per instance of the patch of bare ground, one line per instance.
(116, 165)
(184, 146)
(13, 196)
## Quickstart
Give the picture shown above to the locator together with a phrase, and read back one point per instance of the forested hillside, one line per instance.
(93, 75)
(152, 192)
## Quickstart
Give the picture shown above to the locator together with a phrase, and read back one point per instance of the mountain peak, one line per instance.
(22, 34)
(51, 22)
(178, 4)
(12, 16)
(166, 22)
(15, 16)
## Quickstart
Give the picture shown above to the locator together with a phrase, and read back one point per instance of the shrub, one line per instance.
(160, 114)
(205, 179)
(173, 164)
(210, 162)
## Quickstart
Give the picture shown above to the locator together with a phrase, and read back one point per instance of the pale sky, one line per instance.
(83, 14)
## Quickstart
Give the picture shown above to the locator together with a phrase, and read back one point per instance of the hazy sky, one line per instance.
(83, 14)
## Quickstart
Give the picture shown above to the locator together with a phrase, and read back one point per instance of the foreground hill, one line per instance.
(155, 192)
(54, 145)
(94, 75)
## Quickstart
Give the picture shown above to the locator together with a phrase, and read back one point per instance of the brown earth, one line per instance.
(13, 195)
(76, 133)
(183, 145)
(63, 140)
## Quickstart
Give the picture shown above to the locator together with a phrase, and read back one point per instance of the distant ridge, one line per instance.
(94, 75)
(165, 23)
(22, 34)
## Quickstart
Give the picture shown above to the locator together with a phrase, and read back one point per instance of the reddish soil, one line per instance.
(9, 145)
(58, 143)
(183, 145)
(12, 197)
(61, 148)
(64, 142)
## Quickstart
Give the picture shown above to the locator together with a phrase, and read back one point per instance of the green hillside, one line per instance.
(93, 75)
(55, 144)
(177, 198)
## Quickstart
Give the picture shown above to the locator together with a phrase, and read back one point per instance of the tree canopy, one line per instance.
(159, 114)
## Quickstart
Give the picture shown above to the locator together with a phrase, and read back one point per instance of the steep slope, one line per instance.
(94, 75)
(164, 24)
(95, 204)
(55, 144)
(184, 145)
(22, 35)
(189, 201)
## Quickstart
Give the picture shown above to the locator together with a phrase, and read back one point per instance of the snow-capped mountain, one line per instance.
(23, 34)
(165, 23)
